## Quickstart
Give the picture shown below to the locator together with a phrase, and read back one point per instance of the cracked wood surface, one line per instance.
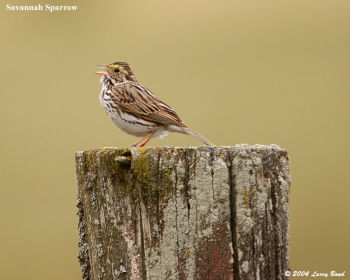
(184, 213)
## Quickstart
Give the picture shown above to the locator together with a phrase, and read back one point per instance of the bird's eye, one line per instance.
(116, 70)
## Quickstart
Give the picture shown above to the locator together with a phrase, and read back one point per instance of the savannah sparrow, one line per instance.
(134, 109)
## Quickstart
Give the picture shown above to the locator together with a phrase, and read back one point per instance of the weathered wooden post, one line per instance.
(184, 213)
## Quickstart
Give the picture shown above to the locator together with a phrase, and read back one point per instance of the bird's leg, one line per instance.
(139, 141)
(142, 139)
(148, 137)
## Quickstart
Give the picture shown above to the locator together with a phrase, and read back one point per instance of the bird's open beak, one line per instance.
(103, 73)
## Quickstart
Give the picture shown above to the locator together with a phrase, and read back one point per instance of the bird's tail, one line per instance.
(188, 131)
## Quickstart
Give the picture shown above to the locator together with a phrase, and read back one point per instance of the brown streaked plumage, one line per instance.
(134, 109)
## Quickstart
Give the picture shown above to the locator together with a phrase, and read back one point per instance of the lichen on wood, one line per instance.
(184, 213)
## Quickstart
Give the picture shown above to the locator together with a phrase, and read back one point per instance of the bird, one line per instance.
(135, 109)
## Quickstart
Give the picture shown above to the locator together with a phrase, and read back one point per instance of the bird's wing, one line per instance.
(138, 100)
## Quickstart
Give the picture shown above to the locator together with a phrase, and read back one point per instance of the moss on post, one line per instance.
(184, 213)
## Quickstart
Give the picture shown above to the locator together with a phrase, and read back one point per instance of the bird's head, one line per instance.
(118, 71)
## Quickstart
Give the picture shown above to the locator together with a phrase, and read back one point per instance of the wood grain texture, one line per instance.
(184, 213)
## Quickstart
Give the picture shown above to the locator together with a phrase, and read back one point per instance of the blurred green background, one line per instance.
(236, 71)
